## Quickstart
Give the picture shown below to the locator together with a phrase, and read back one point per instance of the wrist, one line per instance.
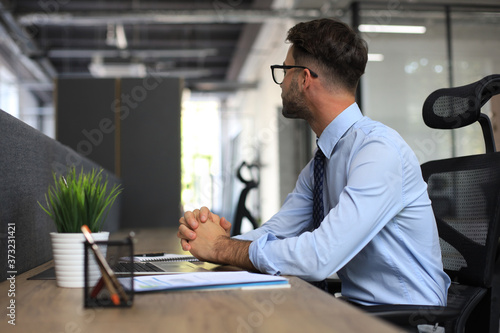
(233, 252)
(222, 246)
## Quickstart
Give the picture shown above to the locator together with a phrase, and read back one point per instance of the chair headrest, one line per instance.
(460, 106)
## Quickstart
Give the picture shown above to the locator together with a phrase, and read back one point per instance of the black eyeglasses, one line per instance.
(279, 72)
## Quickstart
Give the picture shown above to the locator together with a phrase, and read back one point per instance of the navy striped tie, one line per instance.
(319, 172)
(318, 211)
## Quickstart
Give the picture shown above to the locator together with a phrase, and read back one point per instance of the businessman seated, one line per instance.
(359, 208)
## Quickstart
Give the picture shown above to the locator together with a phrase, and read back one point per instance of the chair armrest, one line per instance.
(413, 315)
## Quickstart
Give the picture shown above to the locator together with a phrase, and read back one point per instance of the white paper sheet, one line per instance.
(208, 280)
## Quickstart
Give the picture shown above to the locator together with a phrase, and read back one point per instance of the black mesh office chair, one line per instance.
(465, 194)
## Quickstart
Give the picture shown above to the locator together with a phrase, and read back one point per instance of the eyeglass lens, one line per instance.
(279, 75)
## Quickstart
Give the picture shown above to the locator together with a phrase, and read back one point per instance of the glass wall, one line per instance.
(9, 94)
(475, 54)
(404, 68)
(21, 103)
(200, 140)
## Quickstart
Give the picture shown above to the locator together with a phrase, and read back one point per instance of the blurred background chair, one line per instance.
(241, 210)
(465, 195)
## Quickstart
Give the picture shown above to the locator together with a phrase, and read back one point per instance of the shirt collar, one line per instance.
(337, 128)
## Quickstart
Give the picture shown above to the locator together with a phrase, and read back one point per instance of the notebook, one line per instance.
(158, 264)
(153, 257)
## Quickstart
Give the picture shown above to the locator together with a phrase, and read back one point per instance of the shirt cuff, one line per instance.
(258, 256)
(251, 235)
(241, 237)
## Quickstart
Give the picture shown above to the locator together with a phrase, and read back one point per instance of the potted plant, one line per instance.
(77, 199)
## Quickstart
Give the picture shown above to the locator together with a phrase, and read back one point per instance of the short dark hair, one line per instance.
(331, 44)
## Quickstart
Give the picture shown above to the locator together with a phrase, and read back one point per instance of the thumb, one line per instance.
(225, 224)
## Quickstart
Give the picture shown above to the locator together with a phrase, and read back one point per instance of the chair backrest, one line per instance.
(451, 108)
(465, 191)
(465, 195)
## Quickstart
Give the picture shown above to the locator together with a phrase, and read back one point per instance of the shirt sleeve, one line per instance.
(373, 195)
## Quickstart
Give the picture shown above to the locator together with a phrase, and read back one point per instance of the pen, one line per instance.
(159, 254)
(107, 281)
(107, 273)
(105, 276)
(98, 287)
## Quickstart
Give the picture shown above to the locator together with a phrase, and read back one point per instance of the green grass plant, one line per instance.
(79, 198)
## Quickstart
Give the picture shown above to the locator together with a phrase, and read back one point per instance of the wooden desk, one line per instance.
(43, 307)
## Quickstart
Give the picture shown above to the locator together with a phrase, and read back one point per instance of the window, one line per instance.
(404, 68)
(9, 95)
(200, 153)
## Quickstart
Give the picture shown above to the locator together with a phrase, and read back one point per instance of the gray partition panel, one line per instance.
(132, 127)
(86, 118)
(151, 152)
(27, 160)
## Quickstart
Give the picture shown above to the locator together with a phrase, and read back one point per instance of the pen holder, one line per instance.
(119, 257)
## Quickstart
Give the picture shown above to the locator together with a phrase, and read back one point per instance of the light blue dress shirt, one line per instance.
(379, 233)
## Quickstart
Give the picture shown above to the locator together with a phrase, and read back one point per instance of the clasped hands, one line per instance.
(202, 233)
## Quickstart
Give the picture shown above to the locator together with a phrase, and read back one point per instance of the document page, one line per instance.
(207, 280)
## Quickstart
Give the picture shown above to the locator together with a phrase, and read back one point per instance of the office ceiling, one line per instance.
(83, 38)
(204, 41)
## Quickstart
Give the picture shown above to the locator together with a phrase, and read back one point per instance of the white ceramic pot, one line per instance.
(69, 258)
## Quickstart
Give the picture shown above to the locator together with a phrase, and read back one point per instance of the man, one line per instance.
(378, 231)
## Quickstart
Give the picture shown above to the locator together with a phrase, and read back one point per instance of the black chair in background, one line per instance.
(241, 210)
(465, 194)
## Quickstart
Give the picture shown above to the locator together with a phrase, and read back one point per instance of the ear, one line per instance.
(306, 79)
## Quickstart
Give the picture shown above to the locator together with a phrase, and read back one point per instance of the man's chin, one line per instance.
(288, 114)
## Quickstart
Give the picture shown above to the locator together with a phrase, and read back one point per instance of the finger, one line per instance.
(226, 225)
(214, 218)
(181, 235)
(182, 220)
(186, 233)
(185, 245)
(190, 219)
(204, 213)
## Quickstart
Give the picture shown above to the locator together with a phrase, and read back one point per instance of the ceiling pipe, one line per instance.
(89, 53)
(232, 16)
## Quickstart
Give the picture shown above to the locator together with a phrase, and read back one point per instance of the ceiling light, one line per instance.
(121, 38)
(111, 35)
(115, 36)
(188, 73)
(394, 29)
(117, 70)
